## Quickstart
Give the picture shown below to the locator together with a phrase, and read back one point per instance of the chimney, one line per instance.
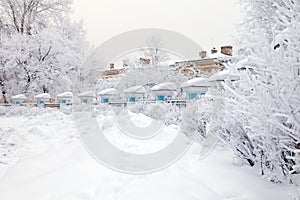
(203, 54)
(125, 63)
(214, 50)
(227, 50)
(111, 66)
(145, 61)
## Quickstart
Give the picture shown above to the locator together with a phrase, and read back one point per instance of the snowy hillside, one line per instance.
(48, 162)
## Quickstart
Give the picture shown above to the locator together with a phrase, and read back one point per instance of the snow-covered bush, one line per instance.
(196, 119)
(262, 125)
(23, 111)
(169, 113)
(102, 109)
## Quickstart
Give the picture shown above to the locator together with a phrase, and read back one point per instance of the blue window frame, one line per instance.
(41, 102)
(202, 94)
(105, 100)
(131, 99)
(18, 103)
(63, 101)
(192, 96)
(160, 98)
(85, 101)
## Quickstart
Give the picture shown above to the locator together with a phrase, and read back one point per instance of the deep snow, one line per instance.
(48, 162)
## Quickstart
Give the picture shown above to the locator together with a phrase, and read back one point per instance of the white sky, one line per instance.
(208, 22)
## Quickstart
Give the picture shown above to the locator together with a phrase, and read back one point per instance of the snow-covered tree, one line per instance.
(264, 125)
(154, 51)
(30, 16)
(42, 55)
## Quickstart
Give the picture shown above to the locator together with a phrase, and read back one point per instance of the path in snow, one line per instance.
(55, 166)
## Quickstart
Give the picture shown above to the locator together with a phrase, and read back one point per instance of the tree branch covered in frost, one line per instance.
(41, 49)
(155, 51)
(30, 16)
(263, 124)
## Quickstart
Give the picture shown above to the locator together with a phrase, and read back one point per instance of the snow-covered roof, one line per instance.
(195, 82)
(242, 63)
(165, 86)
(87, 94)
(109, 91)
(65, 95)
(19, 96)
(43, 96)
(135, 90)
(218, 55)
(224, 75)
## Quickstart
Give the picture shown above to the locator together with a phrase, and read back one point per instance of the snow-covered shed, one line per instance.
(108, 95)
(135, 93)
(19, 99)
(195, 87)
(88, 97)
(165, 90)
(42, 98)
(65, 98)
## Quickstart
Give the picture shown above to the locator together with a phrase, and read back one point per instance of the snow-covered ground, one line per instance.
(44, 160)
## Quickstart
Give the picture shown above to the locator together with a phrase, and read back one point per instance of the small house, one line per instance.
(108, 95)
(195, 88)
(19, 99)
(42, 99)
(88, 97)
(164, 91)
(135, 93)
(65, 98)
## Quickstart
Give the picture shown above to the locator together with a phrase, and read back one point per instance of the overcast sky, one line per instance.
(208, 22)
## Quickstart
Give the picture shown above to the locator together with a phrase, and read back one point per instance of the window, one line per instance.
(169, 97)
(192, 96)
(105, 100)
(41, 102)
(202, 94)
(161, 98)
(85, 101)
(63, 101)
(132, 99)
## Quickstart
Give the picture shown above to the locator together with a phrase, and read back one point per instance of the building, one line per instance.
(65, 98)
(195, 88)
(164, 91)
(112, 72)
(202, 67)
(42, 99)
(205, 65)
(108, 95)
(19, 99)
(135, 93)
(88, 97)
